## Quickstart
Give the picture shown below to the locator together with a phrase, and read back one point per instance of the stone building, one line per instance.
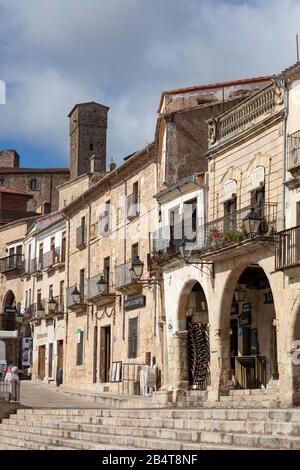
(40, 183)
(114, 315)
(43, 298)
(237, 287)
(13, 205)
(11, 288)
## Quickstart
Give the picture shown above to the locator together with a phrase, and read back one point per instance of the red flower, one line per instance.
(216, 234)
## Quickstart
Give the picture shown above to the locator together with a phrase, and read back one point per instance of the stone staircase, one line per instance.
(157, 429)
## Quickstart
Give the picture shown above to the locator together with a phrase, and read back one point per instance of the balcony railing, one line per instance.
(123, 277)
(9, 263)
(293, 160)
(243, 116)
(52, 257)
(97, 297)
(230, 229)
(82, 303)
(287, 252)
(167, 240)
(133, 205)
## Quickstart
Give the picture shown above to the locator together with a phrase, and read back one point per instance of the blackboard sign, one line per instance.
(253, 341)
(10, 310)
(132, 303)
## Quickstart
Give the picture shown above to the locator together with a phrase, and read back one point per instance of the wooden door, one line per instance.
(60, 354)
(50, 361)
(105, 353)
(41, 363)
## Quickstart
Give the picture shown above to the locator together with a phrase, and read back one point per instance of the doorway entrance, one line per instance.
(198, 340)
(105, 353)
(253, 345)
(60, 357)
(42, 362)
(50, 361)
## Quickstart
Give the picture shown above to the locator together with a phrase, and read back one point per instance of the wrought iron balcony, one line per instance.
(77, 302)
(133, 205)
(53, 258)
(123, 279)
(11, 263)
(229, 231)
(98, 297)
(287, 254)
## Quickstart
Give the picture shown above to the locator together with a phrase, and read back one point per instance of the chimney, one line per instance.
(112, 166)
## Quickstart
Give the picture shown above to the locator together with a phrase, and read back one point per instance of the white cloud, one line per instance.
(123, 53)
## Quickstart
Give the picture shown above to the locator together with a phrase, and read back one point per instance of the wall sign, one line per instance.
(138, 301)
(10, 310)
(245, 318)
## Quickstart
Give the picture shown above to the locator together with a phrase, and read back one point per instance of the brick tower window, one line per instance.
(91, 147)
(33, 185)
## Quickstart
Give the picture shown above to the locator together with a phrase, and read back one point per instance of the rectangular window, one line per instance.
(50, 291)
(41, 256)
(79, 355)
(81, 234)
(230, 215)
(82, 283)
(104, 220)
(190, 220)
(134, 251)
(132, 337)
(63, 247)
(106, 271)
(62, 295)
(39, 297)
(258, 201)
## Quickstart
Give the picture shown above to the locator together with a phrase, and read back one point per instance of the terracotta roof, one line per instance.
(6, 169)
(210, 86)
(4, 189)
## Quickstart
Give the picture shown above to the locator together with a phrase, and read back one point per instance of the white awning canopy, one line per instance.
(257, 178)
(229, 190)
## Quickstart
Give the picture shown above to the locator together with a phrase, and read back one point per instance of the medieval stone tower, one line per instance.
(88, 125)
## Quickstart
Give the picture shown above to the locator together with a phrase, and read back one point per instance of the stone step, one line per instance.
(39, 442)
(110, 425)
(285, 415)
(251, 392)
(135, 437)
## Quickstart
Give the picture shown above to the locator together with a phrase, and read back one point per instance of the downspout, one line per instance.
(284, 136)
(125, 244)
(66, 290)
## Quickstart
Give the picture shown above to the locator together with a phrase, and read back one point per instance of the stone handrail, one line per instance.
(244, 115)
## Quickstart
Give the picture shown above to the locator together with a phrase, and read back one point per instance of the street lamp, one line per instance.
(52, 304)
(185, 249)
(76, 296)
(101, 285)
(240, 294)
(252, 222)
(137, 269)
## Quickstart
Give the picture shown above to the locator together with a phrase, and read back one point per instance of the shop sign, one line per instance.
(245, 318)
(138, 301)
(26, 346)
(253, 341)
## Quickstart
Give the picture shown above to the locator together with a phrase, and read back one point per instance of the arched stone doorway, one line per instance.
(8, 320)
(193, 348)
(249, 339)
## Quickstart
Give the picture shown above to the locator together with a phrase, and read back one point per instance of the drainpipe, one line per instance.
(66, 289)
(286, 112)
(125, 242)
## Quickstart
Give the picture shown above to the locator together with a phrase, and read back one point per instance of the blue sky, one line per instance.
(123, 53)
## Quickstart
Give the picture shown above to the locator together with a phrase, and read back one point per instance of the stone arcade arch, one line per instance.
(255, 329)
(191, 340)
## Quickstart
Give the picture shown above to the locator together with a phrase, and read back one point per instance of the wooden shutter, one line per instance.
(132, 337)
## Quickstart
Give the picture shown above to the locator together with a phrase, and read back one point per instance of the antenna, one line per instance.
(297, 46)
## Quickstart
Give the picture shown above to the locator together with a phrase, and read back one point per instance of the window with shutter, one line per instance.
(79, 356)
(132, 337)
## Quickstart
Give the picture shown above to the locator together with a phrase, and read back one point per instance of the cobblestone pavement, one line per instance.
(39, 395)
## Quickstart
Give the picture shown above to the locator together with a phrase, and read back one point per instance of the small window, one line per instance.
(134, 251)
(79, 355)
(34, 185)
(2, 182)
(91, 147)
(132, 337)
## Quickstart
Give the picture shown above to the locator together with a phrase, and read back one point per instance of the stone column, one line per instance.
(180, 379)
(219, 363)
